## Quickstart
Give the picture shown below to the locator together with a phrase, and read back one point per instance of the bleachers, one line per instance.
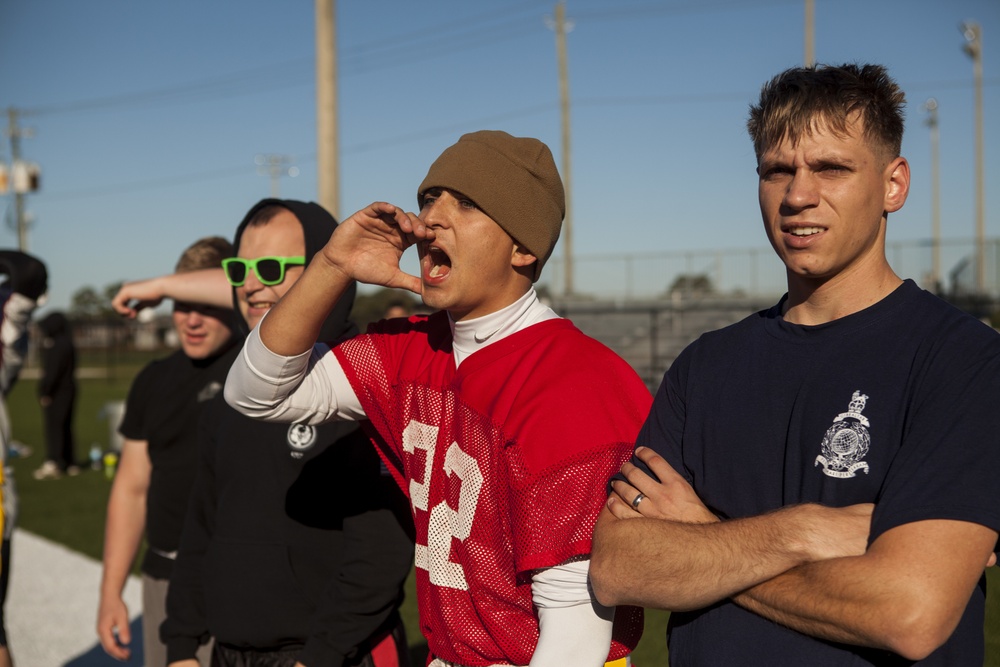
(650, 334)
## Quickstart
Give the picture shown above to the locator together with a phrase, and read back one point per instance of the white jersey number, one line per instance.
(445, 523)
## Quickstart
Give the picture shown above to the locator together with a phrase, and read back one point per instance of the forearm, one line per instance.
(690, 566)
(293, 324)
(126, 522)
(906, 594)
(207, 287)
(804, 599)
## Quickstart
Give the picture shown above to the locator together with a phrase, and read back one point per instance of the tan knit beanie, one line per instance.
(513, 180)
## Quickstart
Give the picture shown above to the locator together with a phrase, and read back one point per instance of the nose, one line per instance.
(252, 283)
(435, 213)
(194, 319)
(802, 192)
(431, 214)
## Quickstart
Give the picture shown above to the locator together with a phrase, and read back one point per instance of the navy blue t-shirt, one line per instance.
(897, 405)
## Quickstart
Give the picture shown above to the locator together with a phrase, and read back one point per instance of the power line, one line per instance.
(153, 184)
(700, 7)
(377, 54)
(451, 129)
(445, 39)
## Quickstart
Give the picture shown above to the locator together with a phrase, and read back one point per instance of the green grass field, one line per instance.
(71, 510)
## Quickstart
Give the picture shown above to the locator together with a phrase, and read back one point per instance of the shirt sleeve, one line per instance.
(948, 462)
(574, 628)
(663, 430)
(309, 388)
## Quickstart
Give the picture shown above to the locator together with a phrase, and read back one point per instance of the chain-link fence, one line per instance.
(757, 272)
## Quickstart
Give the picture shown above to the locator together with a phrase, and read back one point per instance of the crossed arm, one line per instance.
(803, 566)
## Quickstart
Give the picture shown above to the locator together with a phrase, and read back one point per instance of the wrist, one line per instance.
(801, 532)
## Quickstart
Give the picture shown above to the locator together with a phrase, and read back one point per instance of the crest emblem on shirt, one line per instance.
(209, 391)
(846, 443)
(300, 438)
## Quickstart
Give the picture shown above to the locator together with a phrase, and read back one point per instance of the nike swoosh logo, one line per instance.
(483, 339)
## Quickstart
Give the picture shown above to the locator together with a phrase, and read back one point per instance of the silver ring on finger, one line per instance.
(636, 501)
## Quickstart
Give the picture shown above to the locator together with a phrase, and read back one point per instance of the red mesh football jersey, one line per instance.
(505, 462)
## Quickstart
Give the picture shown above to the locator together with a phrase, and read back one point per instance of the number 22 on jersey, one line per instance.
(444, 522)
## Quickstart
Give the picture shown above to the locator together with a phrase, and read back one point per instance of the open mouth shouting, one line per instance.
(435, 264)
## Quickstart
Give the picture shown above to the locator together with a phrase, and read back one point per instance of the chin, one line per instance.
(195, 353)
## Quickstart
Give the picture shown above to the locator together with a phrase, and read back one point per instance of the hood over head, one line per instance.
(317, 226)
(54, 324)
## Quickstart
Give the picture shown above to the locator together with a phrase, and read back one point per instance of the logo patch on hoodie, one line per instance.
(300, 438)
(209, 391)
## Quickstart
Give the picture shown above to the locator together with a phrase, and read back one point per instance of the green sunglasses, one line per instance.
(269, 270)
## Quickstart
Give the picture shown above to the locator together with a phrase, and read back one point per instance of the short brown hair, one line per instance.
(794, 101)
(206, 253)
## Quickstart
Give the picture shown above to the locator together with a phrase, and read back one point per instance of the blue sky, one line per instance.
(147, 116)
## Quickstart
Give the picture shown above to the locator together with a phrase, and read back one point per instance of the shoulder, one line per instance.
(413, 335)
(158, 369)
(588, 393)
(947, 333)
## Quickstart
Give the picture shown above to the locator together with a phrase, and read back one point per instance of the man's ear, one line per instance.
(897, 184)
(520, 257)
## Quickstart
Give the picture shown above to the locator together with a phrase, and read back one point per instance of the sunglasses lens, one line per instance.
(236, 271)
(269, 271)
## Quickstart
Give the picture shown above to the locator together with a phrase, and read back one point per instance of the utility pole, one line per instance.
(809, 49)
(567, 234)
(973, 47)
(15, 133)
(327, 162)
(273, 166)
(931, 106)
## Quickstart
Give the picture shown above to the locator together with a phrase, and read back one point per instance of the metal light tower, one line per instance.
(973, 46)
(931, 107)
(275, 166)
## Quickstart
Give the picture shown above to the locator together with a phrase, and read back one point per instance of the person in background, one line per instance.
(159, 460)
(296, 544)
(57, 396)
(398, 308)
(23, 287)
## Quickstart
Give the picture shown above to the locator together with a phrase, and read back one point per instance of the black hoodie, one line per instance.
(289, 542)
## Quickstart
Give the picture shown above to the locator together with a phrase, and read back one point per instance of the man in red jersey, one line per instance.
(501, 421)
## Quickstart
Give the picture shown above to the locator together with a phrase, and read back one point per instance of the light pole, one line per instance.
(327, 133)
(931, 106)
(275, 166)
(809, 57)
(973, 47)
